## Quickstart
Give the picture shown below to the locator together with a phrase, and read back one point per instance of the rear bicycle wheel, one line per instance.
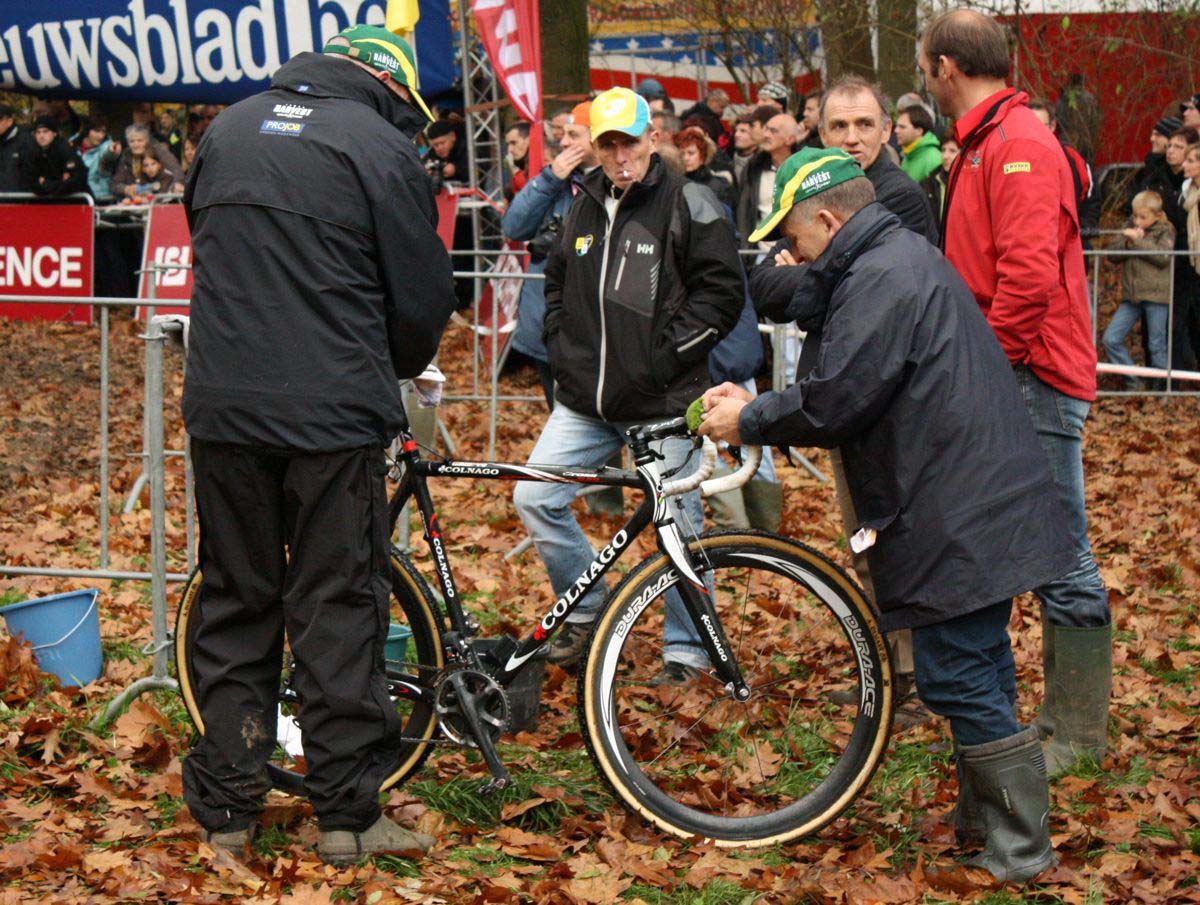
(411, 604)
(695, 762)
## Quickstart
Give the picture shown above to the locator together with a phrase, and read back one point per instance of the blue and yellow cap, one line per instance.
(808, 172)
(383, 51)
(619, 110)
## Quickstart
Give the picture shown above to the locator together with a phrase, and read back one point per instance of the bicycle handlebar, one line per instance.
(751, 458)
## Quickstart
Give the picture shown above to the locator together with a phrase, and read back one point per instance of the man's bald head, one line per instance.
(779, 133)
(976, 42)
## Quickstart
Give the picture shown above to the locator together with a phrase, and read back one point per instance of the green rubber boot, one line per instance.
(1008, 780)
(764, 504)
(1082, 687)
(1048, 715)
(969, 827)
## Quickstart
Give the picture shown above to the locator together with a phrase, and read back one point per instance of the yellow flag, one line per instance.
(401, 16)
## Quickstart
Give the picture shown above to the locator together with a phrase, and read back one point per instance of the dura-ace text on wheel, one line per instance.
(411, 605)
(695, 761)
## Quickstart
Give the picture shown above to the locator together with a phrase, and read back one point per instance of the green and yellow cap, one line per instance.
(375, 46)
(808, 172)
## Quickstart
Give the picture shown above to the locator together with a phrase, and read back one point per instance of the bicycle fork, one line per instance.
(698, 601)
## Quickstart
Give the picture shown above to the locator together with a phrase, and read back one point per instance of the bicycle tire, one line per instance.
(675, 789)
(411, 600)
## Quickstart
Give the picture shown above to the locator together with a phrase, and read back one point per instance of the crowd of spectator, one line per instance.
(907, 147)
(54, 151)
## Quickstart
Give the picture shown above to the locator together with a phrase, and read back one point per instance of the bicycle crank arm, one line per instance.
(475, 720)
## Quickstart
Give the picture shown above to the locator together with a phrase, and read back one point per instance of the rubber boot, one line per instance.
(728, 509)
(969, 827)
(1048, 716)
(1082, 686)
(1008, 781)
(764, 504)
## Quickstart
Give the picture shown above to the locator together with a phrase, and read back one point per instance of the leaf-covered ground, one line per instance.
(97, 816)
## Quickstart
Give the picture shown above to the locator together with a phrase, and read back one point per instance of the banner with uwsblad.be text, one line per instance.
(189, 51)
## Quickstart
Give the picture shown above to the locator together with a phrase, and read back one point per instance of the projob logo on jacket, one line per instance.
(279, 127)
(583, 244)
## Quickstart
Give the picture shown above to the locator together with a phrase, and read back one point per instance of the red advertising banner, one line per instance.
(168, 241)
(46, 249)
(511, 36)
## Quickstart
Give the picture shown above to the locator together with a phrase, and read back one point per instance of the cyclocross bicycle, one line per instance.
(750, 752)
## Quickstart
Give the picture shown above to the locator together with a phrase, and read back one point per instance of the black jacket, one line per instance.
(57, 169)
(320, 279)
(637, 349)
(16, 161)
(940, 454)
(745, 216)
(709, 121)
(772, 287)
(719, 186)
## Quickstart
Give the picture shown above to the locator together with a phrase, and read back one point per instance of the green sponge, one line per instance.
(695, 414)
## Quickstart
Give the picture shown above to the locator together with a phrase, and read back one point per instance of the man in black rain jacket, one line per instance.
(320, 282)
(955, 504)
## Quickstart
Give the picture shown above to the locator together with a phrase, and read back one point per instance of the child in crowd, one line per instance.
(1145, 285)
(935, 183)
(155, 178)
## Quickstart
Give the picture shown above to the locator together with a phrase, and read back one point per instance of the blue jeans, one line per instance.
(1128, 314)
(965, 672)
(1078, 599)
(570, 438)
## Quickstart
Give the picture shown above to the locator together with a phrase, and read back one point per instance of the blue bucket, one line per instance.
(64, 630)
(396, 646)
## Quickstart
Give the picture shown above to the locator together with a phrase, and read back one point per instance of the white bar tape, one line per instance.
(708, 464)
(751, 457)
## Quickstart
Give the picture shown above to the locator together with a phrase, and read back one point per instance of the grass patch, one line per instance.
(397, 866)
(461, 796)
(122, 650)
(718, 892)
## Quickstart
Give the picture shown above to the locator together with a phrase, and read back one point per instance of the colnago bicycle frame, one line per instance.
(695, 594)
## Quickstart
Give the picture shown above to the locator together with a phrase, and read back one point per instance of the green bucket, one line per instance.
(396, 645)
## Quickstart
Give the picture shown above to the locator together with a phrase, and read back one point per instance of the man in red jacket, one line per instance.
(1011, 230)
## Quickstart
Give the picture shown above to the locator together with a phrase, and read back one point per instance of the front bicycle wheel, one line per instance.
(695, 762)
(411, 604)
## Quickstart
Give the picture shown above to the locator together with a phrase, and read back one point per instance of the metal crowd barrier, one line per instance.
(1170, 374)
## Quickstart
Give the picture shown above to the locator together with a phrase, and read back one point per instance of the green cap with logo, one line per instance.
(375, 46)
(808, 172)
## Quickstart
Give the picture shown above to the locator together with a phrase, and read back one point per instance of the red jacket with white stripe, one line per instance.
(1012, 232)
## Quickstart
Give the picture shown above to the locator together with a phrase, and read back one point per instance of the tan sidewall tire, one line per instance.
(633, 583)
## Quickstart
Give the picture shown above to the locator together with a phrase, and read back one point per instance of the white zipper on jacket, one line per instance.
(603, 329)
(621, 269)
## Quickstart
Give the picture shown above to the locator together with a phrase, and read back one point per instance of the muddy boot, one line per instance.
(969, 828)
(1082, 685)
(1008, 781)
(764, 504)
(341, 847)
(1048, 716)
(234, 841)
